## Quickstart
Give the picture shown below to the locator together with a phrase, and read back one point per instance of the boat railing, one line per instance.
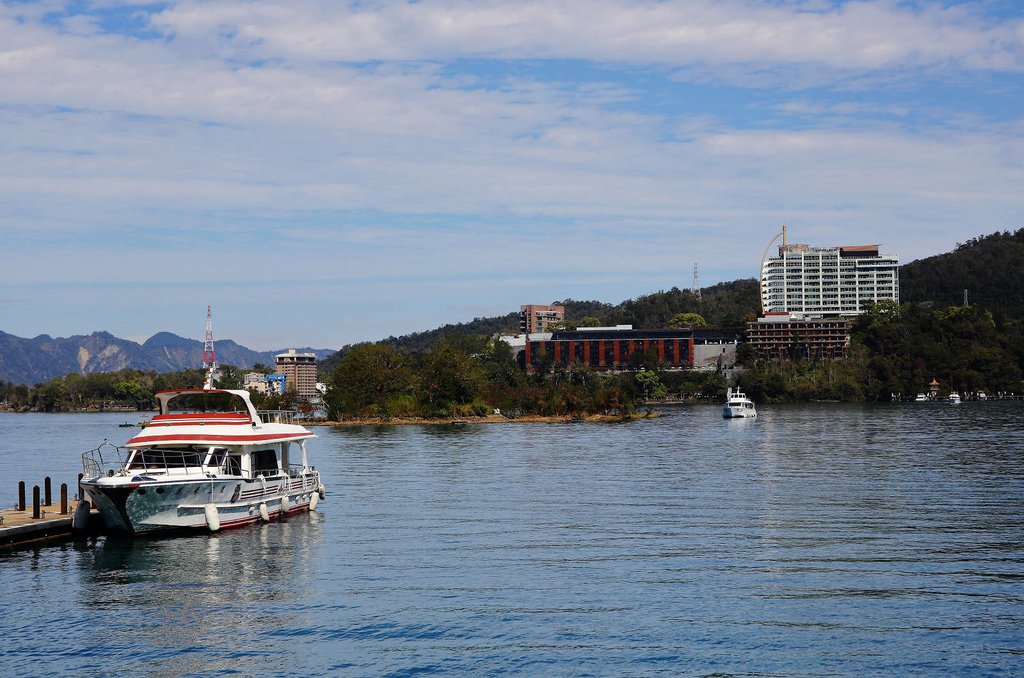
(101, 461)
(177, 461)
(109, 460)
(277, 416)
(297, 470)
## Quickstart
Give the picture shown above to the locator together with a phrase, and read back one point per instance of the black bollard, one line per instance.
(35, 502)
(63, 499)
(21, 495)
(80, 497)
(47, 494)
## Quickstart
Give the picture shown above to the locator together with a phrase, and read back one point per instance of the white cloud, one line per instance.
(122, 158)
(853, 35)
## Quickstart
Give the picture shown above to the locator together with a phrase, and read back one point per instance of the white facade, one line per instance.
(257, 382)
(828, 281)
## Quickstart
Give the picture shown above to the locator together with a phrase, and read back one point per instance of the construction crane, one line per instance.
(780, 234)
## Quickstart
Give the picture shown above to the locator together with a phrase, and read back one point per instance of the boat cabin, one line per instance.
(215, 433)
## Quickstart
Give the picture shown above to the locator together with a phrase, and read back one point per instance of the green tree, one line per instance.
(134, 393)
(450, 377)
(366, 380)
(229, 376)
(681, 320)
(650, 385)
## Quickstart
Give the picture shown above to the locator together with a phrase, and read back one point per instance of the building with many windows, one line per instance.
(782, 335)
(623, 348)
(256, 382)
(833, 281)
(534, 318)
(299, 370)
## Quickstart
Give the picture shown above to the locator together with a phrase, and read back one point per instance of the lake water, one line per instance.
(816, 539)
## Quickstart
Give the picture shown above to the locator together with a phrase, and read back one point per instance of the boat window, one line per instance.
(233, 465)
(264, 462)
(159, 458)
(216, 458)
(212, 401)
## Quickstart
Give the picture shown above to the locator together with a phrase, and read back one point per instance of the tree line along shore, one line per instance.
(458, 372)
(896, 349)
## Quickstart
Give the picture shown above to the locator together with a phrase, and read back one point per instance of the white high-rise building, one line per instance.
(828, 281)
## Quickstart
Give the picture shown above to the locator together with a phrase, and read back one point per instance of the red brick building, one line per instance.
(612, 350)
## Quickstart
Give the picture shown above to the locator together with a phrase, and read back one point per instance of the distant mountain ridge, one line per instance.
(39, 359)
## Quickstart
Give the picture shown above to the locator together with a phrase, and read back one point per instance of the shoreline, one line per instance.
(489, 419)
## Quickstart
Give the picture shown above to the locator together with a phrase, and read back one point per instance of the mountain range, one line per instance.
(35, 360)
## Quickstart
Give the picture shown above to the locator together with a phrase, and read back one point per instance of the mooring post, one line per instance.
(21, 495)
(63, 499)
(35, 502)
(80, 497)
(47, 494)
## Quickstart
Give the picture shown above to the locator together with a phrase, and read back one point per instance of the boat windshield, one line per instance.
(162, 458)
(198, 401)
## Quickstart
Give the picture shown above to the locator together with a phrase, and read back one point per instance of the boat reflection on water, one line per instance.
(209, 598)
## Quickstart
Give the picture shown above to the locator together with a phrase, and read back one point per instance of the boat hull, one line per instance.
(738, 413)
(150, 506)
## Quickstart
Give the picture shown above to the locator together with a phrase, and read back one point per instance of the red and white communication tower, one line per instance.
(209, 359)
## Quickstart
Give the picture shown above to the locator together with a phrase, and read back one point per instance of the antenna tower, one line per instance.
(696, 282)
(209, 358)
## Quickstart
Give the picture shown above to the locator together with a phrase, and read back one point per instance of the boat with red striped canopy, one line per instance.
(209, 460)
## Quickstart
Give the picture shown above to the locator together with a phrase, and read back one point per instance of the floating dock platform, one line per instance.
(19, 527)
(43, 519)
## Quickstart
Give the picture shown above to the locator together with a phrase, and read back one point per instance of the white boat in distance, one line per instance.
(921, 398)
(208, 460)
(738, 405)
(954, 398)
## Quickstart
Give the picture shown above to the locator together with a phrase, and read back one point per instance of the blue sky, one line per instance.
(323, 173)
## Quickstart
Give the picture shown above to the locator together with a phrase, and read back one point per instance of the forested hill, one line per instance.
(727, 304)
(990, 268)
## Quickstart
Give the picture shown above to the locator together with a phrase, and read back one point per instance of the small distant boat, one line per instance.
(982, 395)
(954, 398)
(921, 398)
(126, 425)
(738, 405)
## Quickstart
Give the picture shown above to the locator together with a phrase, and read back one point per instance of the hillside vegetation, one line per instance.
(990, 268)
(897, 349)
(728, 304)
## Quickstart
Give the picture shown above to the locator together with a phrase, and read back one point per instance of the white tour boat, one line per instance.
(921, 398)
(208, 460)
(954, 398)
(738, 405)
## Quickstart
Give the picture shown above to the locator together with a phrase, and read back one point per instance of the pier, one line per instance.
(40, 519)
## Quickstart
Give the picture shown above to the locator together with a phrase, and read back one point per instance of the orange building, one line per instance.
(300, 371)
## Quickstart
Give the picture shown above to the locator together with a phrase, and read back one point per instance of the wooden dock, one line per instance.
(19, 527)
(39, 520)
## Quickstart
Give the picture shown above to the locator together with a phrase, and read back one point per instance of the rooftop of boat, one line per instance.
(215, 416)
